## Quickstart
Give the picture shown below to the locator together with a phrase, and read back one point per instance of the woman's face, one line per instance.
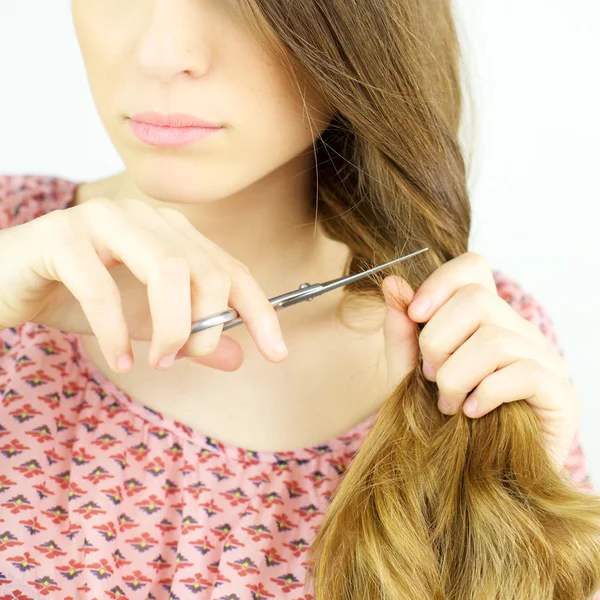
(194, 57)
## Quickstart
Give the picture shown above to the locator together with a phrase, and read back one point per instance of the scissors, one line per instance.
(305, 292)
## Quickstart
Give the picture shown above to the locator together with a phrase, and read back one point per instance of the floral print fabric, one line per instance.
(102, 497)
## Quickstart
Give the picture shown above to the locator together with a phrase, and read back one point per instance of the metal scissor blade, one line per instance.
(305, 292)
(317, 289)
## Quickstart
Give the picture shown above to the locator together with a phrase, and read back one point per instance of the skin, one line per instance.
(250, 191)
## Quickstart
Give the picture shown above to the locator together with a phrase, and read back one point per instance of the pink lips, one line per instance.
(170, 130)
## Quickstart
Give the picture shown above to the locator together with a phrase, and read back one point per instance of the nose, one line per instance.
(173, 42)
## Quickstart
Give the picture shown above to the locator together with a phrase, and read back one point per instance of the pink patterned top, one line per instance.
(102, 497)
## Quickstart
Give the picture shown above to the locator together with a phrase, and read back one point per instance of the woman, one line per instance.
(331, 147)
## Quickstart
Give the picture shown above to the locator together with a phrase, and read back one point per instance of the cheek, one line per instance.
(269, 135)
(288, 129)
(276, 120)
(104, 33)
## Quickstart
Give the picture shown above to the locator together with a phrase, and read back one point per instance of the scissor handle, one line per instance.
(231, 317)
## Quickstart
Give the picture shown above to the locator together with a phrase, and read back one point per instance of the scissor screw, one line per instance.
(305, 285)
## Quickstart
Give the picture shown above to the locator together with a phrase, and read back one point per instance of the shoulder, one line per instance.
(38, 366)
(34, 346)
(512, 290)
(27, 197)
(528, 306)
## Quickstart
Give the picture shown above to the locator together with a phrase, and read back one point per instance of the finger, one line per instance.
(169, 299)
(524, 379)
(489, 349)
(468, 310)
(245, 296)
(91, 284)
(187, 287)
(447, 279)
(153, 262)
(228, 355)
(400, 332)
(259, 316)
(554, 401)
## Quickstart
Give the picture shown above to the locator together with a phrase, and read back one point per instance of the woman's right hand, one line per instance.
(54, 270)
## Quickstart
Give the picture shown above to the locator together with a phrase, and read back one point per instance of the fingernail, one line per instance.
(124, 363)
(166, 362)
(444, 406)
(420, 306)
(471, 406)
(276, 338)
(279, 347)
(428, 370)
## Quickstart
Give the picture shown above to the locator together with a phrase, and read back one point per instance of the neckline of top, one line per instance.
(343, 445)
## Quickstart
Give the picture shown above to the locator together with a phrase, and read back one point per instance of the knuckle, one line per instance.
(57, 223)
(477, 260)
(172, 263)
(128, 203)
(475, 292)
(428, 345)
(70, 241)
(214, 278)
(239, 268)
(171, 213)
(447, 382)
(95, 209)
(172, 333)
(100, 204)
(536, 371)
(488, 335)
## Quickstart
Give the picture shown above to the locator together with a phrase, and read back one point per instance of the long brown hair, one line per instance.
(432, 507)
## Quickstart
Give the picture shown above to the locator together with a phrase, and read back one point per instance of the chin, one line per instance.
(179, 186)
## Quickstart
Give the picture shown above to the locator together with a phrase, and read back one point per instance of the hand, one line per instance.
(479, 350)
(54, 270)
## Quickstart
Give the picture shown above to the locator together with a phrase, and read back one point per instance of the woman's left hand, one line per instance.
(481, 352)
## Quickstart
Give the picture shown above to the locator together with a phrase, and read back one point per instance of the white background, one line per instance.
(534, 70)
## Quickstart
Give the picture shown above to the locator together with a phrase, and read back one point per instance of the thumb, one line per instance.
(399, 331)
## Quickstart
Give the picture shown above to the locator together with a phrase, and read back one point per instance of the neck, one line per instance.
(276, 239)
(269, 226)
(330, 370)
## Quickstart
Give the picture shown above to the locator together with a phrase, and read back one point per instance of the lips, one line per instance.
(172, 120)
(171, 130)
